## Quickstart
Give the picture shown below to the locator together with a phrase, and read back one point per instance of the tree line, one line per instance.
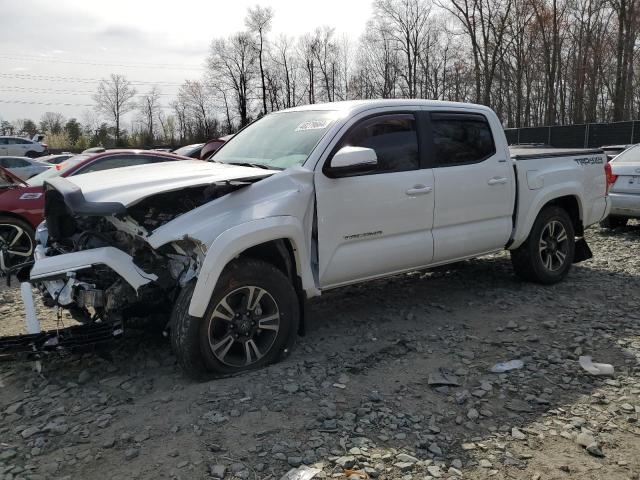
(536, 62)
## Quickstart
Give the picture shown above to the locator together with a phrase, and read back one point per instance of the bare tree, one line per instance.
(231, 65)
(149, 107)
(52, 122)
(258, 21)
(407, 22)
(114, 98)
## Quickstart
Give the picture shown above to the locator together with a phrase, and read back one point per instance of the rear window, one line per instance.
(631, 154)
(56, 170)
(461, 138)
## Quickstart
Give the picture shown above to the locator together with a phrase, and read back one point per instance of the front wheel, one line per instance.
(16, 242)
(547, 254)
(251, 321)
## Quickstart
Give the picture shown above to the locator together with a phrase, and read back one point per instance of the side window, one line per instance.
(22, 141)
(4, 141)
(393, 137)
(461, 138)
(15, 163)
(119, 161)
(11, 141)
(19, 163)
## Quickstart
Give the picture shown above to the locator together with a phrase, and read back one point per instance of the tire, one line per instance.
(221, 343)
(531, 262)
(17, 241)
(612, 222)
(31, 154)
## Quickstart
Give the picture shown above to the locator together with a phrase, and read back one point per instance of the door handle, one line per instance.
(497, 181)
(419, 190)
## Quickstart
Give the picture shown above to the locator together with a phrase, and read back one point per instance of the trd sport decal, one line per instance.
(363, 235)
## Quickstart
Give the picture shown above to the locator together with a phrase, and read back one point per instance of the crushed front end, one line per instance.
(93, 259)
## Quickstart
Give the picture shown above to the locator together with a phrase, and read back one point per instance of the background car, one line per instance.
(22, 202)
(55, 158)
(613, 150)
(191, 151)
(23, 167)
(22, 147)
(624, 193)
(212, 146)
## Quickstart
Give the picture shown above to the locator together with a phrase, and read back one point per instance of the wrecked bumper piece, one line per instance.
(74, 339)
(58, 275)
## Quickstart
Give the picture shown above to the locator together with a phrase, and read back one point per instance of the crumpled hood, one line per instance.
(129, 185)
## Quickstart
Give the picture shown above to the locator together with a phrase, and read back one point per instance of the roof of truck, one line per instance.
(355, 106)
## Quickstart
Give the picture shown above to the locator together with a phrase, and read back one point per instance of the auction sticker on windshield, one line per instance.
(312, 125)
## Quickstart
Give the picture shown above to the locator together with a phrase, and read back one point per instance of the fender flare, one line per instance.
(236, 240)
(570, 189)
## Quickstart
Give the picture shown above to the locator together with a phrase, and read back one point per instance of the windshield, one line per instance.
(631, 154)
(54, 171)
(279, 140)
(186, 150)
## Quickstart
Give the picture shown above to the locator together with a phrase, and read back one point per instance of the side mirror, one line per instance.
(352, 160)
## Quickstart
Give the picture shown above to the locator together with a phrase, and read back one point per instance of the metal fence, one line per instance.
(586, 135)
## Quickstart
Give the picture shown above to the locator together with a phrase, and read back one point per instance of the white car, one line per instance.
(625, 189)
(24, 167)
(22, 147)
(300, 202)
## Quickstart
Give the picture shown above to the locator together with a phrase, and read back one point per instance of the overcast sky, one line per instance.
(54, 51)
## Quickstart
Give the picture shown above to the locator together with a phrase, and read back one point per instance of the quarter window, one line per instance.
(393, 137)
(460, 139)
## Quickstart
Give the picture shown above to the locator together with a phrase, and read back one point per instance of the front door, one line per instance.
(475, 187)
(380, 222)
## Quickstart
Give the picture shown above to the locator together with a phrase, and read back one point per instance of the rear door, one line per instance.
(379, 222)
(474, 186)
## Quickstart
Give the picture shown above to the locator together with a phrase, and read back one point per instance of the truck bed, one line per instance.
(528, 153)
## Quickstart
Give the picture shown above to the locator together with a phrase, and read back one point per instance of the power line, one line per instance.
(62, 104)
(72, 79)
(26, 102)
(166, 66)
(53, 91)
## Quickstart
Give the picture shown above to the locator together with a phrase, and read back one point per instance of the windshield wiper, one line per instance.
(254, 165)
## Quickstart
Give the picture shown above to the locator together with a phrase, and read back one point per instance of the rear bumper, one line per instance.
(625, 204)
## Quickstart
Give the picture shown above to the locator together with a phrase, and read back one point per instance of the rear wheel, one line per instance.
(16, 242)
(252, 321)
(612, 222)
(547, 254)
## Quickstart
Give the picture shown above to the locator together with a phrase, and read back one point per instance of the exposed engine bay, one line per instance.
(97, 292)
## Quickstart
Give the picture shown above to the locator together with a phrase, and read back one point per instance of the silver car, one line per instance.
(22, 147)
(624, 193)
(24, 167)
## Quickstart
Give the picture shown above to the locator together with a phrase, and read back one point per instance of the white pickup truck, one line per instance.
(302, 201)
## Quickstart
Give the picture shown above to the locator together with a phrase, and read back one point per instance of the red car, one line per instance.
(22, 202)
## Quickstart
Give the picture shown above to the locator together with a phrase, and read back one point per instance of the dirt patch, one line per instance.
(356, 392)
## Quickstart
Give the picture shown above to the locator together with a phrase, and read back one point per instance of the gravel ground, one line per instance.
(392, 381)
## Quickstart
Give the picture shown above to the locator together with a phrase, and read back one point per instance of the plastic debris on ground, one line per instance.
(506, 366)
(595, 368)
(301, 473)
